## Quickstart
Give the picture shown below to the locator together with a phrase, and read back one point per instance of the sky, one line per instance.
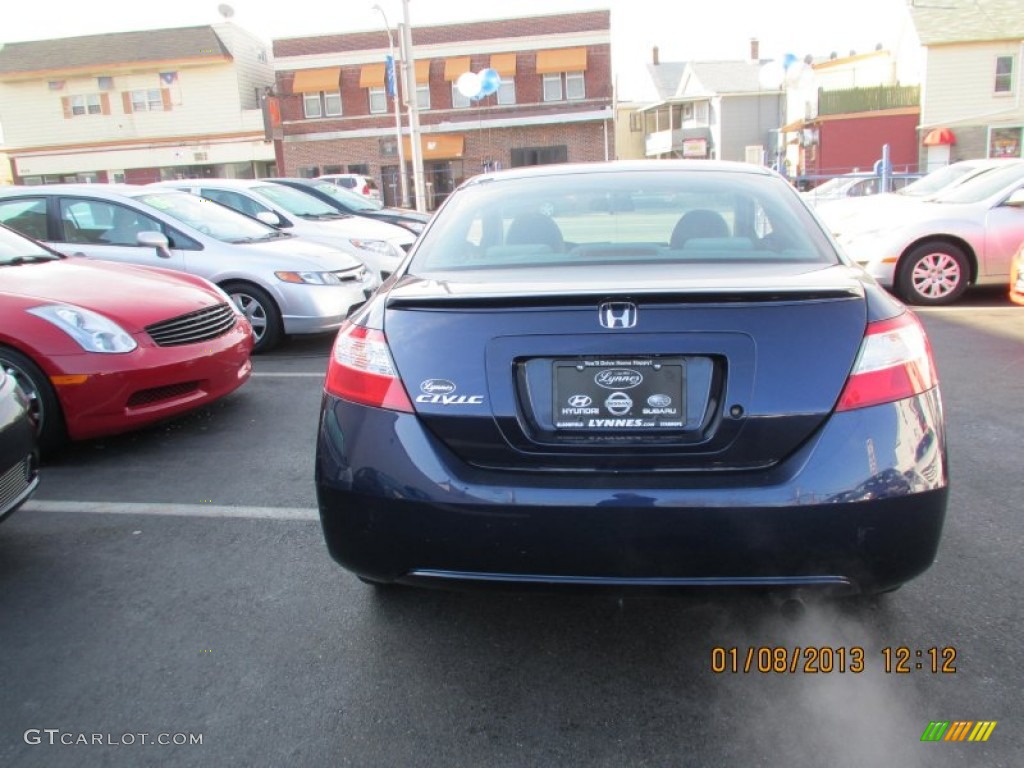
(682, 29)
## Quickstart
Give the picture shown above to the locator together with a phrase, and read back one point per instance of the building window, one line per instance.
(86, 104)
(1004, 74)
(309, 172)
(700, 113)
(574, 86)
(147, 100)
(507, 92)
(332, 104)
(459, 101)
(539, 155)
(378, 100)
(423, 96)
(328, 169)
(553, 87)
(1005, 142)
(321, 104)
(636, 122)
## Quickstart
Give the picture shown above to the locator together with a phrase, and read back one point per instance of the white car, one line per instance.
(354, 182)
(379, 245)
(842, 215)
(855, 186)
(929, 252)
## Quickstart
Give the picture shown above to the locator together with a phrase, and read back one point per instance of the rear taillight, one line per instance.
(361, 370)
(895, 362)
(366, 189)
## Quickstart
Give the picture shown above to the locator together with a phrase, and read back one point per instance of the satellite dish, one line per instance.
(225, 10)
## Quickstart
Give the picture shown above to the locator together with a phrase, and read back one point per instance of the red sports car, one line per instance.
(102, 348)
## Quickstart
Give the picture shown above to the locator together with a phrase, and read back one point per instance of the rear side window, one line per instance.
(581, 219)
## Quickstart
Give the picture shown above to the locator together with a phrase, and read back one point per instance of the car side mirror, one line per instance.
(1016, 200)
(269, 217)
(157, 240)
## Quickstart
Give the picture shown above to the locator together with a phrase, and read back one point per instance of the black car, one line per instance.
(692, 389)
(358, 205)
(19, 457)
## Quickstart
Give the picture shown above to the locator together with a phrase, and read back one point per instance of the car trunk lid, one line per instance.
(729, 367)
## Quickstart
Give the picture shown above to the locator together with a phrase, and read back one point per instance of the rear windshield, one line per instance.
(590, 218)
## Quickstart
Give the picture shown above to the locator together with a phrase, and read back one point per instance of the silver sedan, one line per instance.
(283, 284)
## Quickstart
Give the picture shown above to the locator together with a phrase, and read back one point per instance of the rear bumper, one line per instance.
(846, 511)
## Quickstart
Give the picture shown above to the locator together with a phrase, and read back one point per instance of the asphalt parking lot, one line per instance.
(174, 583)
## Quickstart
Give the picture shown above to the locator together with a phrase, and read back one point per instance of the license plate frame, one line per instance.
(619, 394)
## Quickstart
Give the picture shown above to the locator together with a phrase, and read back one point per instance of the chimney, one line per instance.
(755, 49)
(654, 55)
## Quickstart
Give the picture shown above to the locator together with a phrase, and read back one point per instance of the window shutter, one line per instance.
(65, 102)
(105, 103)
(165, 94)
(126, 101)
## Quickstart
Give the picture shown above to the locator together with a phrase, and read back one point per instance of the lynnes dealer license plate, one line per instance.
(619, 393)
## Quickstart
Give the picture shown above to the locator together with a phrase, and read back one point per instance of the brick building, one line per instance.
(554, 104)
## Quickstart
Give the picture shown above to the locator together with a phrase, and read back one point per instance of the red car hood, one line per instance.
(133, 297)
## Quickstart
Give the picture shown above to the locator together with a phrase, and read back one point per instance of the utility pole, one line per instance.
(391, 82)
(409, 68)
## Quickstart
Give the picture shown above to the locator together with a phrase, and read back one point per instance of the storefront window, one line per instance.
(1004, 142)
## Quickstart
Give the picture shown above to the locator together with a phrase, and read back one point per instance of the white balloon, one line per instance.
(468, 84)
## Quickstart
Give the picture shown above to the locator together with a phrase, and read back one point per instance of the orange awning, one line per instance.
(939, 137)
(372, 76)
(440, 146)
(313, 80)
(422, 71)
(455, 67)
(504, 64)
(561, 60)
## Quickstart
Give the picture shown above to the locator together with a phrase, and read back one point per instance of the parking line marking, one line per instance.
(283, 375)
(302, 514)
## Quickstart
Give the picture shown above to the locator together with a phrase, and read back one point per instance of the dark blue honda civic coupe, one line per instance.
(654, 374)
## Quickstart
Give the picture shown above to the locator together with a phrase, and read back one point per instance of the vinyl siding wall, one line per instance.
(204, 101)
(960, 86)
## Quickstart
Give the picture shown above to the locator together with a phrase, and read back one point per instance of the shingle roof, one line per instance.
(962, 21)
(728, 76)
(666, 77)
(106, 50)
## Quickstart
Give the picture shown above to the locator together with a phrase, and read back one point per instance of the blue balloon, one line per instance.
(788, 60)
(490, 81)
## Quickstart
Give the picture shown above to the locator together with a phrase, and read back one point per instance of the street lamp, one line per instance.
(404, 186)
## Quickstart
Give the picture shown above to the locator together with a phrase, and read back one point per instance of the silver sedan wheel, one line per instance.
(936, 275)
(254, 312)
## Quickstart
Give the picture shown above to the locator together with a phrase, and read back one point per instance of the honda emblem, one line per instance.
(617, 314)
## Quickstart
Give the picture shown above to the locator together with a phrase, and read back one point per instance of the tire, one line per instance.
(933, 273)
(43, 403)
(261, 312)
